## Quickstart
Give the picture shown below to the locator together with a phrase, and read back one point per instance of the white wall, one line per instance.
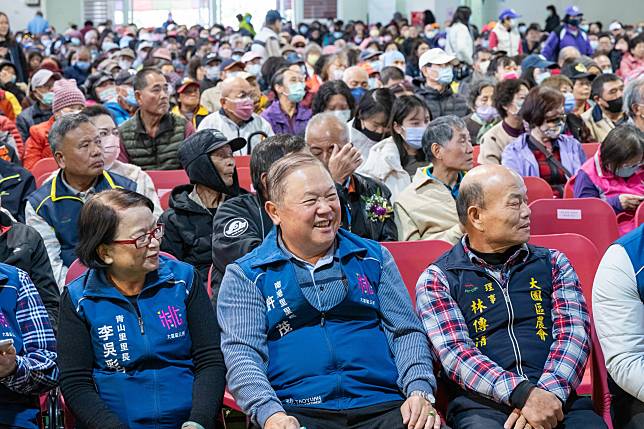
(19, 14)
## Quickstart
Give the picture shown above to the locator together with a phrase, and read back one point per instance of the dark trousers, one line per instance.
(380, 416)
(578, 414)
(627, 411)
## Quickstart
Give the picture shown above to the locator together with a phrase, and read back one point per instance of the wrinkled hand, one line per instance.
(630, 202)
(7, 362)
(343, 162)
(418, 413)
(542, 409)
(281, 421)
(516, 421)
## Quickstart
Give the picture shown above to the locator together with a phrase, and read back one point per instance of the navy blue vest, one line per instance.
(633, 243)
(15, 409)
(510, 322)
(60, 207)
(143, 368)
(339, 359)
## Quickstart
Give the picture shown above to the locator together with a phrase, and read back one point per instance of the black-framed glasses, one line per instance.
(145, 239)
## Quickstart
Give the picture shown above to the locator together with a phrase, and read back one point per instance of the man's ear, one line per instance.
(60, 160)
(475, 218)
(273, 212)
(436, 150)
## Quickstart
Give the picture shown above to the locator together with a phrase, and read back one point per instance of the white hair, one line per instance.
(324, 118)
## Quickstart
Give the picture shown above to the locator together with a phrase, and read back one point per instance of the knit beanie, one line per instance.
(66, 94)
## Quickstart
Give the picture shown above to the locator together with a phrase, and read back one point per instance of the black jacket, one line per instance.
(443, 103)
(32, 115)
(16, 184)
(22, 247)
(188, 230)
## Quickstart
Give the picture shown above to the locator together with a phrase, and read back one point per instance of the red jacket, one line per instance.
(37, 146)
(8, 125)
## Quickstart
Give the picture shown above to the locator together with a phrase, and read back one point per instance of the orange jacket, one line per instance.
(8, 125)
(37, 146)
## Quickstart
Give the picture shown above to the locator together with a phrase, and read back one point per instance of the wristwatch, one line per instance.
(426, 396)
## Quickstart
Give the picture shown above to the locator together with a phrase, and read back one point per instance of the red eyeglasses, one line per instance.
(145, 239)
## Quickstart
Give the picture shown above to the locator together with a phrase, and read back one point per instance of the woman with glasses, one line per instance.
(139, 340)
(543, 151)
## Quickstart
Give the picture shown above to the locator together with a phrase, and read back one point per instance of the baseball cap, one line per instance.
(41, 77)
(298, 39)
(206, 141)
(229, 63)
(272, 16)
(163, 54)
(615, 26)
(435, 56)
(573, 10)
(508, 13)
(185, 83)
(365, 55)
(124, 77)
(126, 52)
(537, 61)
(144, 45)
(210, 58)
(250, 56)
(577, 71)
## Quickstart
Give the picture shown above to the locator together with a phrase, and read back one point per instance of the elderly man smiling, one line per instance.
(317, 327)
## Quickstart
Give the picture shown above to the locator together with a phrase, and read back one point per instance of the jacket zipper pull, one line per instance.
(141, 325)
(322, 320)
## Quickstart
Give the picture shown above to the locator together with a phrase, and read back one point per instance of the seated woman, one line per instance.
(369, 126)
(138, 338)
(615, 174)
(334, 96)
(395, 160)
(544, 151)
(484, 115)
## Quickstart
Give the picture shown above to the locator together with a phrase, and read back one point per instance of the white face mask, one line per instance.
(111, 150)
(343, 115)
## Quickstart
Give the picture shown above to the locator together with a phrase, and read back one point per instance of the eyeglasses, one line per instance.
(145, 239)
(555, 119)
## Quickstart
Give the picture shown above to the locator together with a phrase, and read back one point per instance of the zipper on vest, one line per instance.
(322, 319)
(141, 325)
(513, 338)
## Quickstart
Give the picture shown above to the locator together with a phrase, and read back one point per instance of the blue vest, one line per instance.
(633, 243)
(143, 368)
(60, 207)
(339, 359)
(15, 409)
(509, 322)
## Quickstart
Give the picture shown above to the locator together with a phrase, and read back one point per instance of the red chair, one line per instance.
(590, 149)
(242, 161)
(590, 217)
(413, 257)
(600, 393)
(209, 284)
(40, 180)
(639, 215)
(165, 200)
(166, 180)
(245, 181)
(476, 150)
(537, 188)
(44, 166)
(569, 188)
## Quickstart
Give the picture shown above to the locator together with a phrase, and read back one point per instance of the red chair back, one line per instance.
(44, 166)
(165, 200)
(590, 217)
(40, 180)
(476, 150)
(569, 189)
(209, 284)
(537, 188)
(413, 257)
(242, 161)
(590, 149)
(166, 180)
(245, 181)
(599, 375)
(639, 215)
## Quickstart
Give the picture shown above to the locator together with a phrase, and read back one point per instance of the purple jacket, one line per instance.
(562, 37)
(518, 156)
(282, 124)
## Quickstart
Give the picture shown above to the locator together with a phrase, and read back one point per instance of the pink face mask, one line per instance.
(111, 150)
(243, 108)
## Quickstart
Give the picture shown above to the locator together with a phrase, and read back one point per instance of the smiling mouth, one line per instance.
(322, 224)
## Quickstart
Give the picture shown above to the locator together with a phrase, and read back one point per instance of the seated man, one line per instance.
(16, 184)
(317, 328)
(366, 206)
(618, 309)
(207, 157)
(507, 320)
(27, 350)
(53, 208)
(236, 117)
(241, 223)
(426, 209)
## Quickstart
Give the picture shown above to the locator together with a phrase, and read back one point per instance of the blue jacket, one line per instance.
(633, 244)
(120, 114)
(143, 367)
(60, 207)
(562, 37)
(334, 360)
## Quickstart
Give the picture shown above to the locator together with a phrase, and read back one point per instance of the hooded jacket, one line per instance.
(443, 103)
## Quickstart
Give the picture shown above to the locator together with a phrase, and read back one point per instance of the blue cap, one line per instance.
(537, 61)
(273, 16)
(388, 58)
(508, 13)
(573, 10)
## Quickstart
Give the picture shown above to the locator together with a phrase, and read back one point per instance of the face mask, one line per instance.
(131, 99)
(626, 172)
(358, 93)
(541, 77)
(296, 92)
(607, 71)
(414, 136)
(312, 59)
(552, 133)
(573, 22)
(82, 65)
(510, 75)
(373, 83)
(584, 27)
(107, 95)
(75, 41)
(73, 112)
(225, 53)
(374, 33)
(375, 65)
(484, 65)
(522, 29)
(594, 44)
(213, 72)
(111, 150)
(569, 102)
(615, 106)
(243, 108)
(12, 79)
(231, 75)
(486, 113)
(372, 135)
(337, 74)
(430, 34)
(445, 76)
(46, 42)
(343, 115)
(338, 34)
(304, 29)
(125, 64)
(254, 69)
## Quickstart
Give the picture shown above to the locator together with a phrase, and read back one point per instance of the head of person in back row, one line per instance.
(361, 197)
(507, 320)
(390, 388)
(634, 102)
(607, 91)
(53, 209)
(207, 157)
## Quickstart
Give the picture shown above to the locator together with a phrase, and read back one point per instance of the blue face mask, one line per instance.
(82, 65)
(48, 98)
(569, 102)
(626, 172)
(445, 76)
(414, 136)
(131, 99)
(357, 93)
(296, 92)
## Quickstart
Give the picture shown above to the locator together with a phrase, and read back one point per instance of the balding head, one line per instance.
(323, 131)
(356, 77)
(232, 86)
(567, 55)
(492, 205)
(236, 99)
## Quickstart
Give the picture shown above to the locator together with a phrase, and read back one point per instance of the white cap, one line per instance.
(250, 56)
(614, 26)
(41, 77)
(435, 56)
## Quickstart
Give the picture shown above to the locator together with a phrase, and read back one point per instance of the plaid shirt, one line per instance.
(36, 370)
(472, 370)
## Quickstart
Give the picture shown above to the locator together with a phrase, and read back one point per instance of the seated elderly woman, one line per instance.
(615, 174)
(139, 340)
(27, 350)
(544, 151)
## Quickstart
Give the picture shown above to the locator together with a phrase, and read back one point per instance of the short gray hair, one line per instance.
(64, 125)
(469, 195)
(441, 131)
(280, 170)
(633, 94)
(323, 118)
